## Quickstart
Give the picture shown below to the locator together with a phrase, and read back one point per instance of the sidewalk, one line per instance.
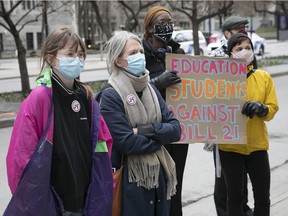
(8, 112)
(278, 196)
(277, 70)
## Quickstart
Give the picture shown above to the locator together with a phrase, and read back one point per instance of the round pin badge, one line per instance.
(131, 99)
(75, 106)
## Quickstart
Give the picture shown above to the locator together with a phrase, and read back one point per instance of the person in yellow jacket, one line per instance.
(261, 105)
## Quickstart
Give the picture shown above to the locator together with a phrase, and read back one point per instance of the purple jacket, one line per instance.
(30, 153)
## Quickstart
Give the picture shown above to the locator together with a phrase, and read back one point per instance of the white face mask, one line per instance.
(244, 54)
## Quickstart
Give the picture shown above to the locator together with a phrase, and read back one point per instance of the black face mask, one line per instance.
(163, 32)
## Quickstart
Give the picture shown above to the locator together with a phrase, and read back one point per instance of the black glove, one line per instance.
(146, 130)
(168, 78)
(252, 108)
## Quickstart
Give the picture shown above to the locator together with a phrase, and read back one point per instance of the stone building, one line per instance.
(31, 34)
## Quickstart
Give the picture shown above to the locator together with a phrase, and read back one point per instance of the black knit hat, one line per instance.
(234, 37)
(234, 22)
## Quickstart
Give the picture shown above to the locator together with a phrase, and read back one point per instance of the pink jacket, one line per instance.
(28, 128)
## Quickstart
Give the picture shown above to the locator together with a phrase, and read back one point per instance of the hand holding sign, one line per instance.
(252, 108)
(168, 78)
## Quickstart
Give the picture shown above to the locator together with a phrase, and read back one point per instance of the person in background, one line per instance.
(236, 160)
(231, 25)
(158, 26)
(58, 161)
(141, 125)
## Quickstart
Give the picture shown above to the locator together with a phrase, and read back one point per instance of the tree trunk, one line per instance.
(22, 65)
(105, 26)
(195, 27)
(196, 38)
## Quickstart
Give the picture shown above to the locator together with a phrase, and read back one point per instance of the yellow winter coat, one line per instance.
(260, 87)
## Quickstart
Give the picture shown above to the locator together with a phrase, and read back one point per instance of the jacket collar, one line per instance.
(151, 49)
(44, 78)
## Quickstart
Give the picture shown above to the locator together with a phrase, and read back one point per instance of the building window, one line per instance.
(24, 5)
(39, 40)
(28, 4)
(29, 41)
(1, 42)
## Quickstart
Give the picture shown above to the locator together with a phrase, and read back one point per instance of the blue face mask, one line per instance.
(136, 64)
(70, 68)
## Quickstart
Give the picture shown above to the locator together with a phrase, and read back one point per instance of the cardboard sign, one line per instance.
(209, 99)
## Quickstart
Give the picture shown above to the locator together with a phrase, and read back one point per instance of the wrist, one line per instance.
(263, 111)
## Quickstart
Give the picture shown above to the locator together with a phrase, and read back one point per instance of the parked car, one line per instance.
(185, 39)
(212, 36)
(215, 36)
(258, 42)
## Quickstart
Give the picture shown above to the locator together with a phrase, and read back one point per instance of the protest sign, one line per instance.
(209, 99)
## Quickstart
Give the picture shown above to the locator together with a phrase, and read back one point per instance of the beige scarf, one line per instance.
(144, 169)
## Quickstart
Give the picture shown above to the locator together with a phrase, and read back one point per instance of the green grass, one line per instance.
(12, 97)
(271, 61)
(261, 30)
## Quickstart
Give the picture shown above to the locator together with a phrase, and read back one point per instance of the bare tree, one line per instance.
(272, 7)
(14, 24)
(44, 29)
(198, 11)
(102, 18)
(132, 11)
(11, 26)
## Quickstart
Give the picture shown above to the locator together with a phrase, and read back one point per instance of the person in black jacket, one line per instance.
(157, 42)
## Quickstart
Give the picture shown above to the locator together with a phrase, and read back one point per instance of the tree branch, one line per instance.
(149, 3)
(284, 6)
(4, 26)
(281, 8)
(223, 9)
(127, 7)
(29, 21)
(179, 9)
(58, 8)
(134, 13)
(40, 14)
(14, 7)
(264, 10)
(25, 14)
